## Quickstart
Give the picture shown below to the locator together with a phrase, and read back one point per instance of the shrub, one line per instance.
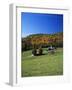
(34, 52)
(40, 51)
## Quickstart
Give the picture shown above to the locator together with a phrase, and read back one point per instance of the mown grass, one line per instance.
(44, 65)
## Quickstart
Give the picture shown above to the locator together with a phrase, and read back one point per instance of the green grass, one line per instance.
(44, 65)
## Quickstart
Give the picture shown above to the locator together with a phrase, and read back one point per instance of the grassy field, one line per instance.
(44, 65)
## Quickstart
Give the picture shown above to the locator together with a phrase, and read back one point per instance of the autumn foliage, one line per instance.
(42, 40)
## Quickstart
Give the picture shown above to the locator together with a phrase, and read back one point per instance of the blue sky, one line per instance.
(36, 23)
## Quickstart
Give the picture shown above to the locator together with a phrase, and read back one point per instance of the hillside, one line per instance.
(42, 40)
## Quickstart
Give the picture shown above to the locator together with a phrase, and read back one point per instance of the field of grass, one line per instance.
(44, 65)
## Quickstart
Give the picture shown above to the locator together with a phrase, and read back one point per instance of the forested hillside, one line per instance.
(42, 40)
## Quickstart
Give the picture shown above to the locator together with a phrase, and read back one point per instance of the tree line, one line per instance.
(42, 40)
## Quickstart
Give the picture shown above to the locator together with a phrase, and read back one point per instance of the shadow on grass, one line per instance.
(39, 54)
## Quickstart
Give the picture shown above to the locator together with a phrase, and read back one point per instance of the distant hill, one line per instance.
(40, 34)
(43, 40)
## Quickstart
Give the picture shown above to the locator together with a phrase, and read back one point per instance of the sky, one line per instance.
(36, 23)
